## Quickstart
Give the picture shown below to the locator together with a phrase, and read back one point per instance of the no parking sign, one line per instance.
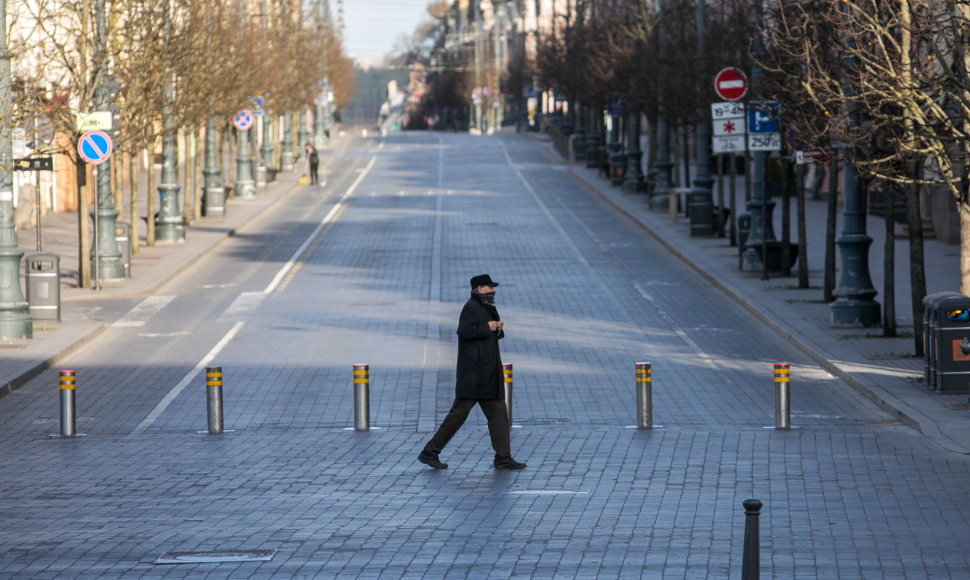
(94, 147)
(243, 120)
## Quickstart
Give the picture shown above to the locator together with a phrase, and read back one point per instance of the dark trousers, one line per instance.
(313, 172)
(495, 412)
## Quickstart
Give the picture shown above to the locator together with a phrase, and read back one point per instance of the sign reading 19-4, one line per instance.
(94, 147)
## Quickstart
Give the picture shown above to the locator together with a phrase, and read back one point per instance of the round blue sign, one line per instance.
(94, 147)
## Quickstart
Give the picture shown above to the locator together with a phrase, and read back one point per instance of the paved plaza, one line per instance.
(290, 290)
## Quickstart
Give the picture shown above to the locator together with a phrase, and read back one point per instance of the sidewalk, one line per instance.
(883, 369)
(20, 360)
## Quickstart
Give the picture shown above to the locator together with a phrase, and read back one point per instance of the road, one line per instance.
(374, 268)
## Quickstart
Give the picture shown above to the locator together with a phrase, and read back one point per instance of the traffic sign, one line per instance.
(94, 147)
(729, 128)
(243, 120)
(763, 125)
(731, 84)
(34, 164)
(763, 116)
(100, 120)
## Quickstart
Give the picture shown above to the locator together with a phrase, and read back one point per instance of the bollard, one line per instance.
(751, 558)
(213, 397)
(361, 398)
(644, 396)
(68, 423)
(507, 373)
(782, 396)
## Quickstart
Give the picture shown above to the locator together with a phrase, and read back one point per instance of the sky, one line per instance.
(372, 27)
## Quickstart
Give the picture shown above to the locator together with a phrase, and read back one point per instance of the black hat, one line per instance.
(483, 280)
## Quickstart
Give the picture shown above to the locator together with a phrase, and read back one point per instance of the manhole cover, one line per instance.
(216, 557)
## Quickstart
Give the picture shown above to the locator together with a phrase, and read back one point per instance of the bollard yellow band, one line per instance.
(361, 374)
(213, 376)
(644, 373)
(782, 372)
(67, 380)
(507, 371)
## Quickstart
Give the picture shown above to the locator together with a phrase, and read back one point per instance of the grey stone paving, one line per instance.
(585, 293)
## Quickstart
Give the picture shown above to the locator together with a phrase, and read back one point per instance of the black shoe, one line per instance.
(430, 459)
(508, 463)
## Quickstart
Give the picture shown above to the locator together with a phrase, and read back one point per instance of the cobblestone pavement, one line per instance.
(374, 269)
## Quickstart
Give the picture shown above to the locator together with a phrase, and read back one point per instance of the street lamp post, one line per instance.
(214, 200)
(301, 134)
(760, 206)
(701, 205)
(105, 253)
(169, 226)
(15, 321)
(664, 164)
(634, 155)
(286, 155)
(854, 304)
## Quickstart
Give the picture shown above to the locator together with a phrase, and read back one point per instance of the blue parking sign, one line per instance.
(763, 116)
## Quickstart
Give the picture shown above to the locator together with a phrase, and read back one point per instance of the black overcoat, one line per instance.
(479, 361)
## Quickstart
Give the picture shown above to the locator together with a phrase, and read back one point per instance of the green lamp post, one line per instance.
(286, 155)
(213, 189)
(105, 253)
(302, 135)
(168, 223)
(633, 181)
(701, 204)
(660, 197)
(854, 304)
(245, 186)
(15, 321)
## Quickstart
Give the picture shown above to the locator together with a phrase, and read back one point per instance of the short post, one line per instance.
(213, 396)
(361, 398)
(782, 396)
(507, 373)
(751, 558)
(644, 396)
(68, 422)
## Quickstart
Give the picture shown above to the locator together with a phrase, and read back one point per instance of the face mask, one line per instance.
(488, 298)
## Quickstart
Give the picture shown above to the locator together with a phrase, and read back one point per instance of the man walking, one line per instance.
(480, 378)
(313, 160)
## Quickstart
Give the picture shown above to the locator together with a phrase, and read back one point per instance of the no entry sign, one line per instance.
(94, 147)
(731, 84)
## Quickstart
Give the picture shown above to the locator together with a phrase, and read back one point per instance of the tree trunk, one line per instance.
(917, 269)
(889, 264)
(803, 281)
(832, 216)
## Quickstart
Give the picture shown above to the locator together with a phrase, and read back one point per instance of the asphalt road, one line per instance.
(374, 268)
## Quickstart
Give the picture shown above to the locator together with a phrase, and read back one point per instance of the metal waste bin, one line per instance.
(214, 198)
(952, 325)
(44, 286)
(123, 238)
(929, 334)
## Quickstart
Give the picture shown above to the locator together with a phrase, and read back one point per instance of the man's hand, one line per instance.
(494, 325)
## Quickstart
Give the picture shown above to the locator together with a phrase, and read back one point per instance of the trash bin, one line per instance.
(123, 239)
(952, 325)
(929, 334)
(44, 286)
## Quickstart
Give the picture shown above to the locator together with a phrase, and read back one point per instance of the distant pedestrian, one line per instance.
(313, 160)
(480, 378)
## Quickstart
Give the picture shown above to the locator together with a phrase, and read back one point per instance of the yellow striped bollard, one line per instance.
(213, 397)
(361, 398)
(644, 396)
(507, 377)
(68, 422)
(782, 396)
